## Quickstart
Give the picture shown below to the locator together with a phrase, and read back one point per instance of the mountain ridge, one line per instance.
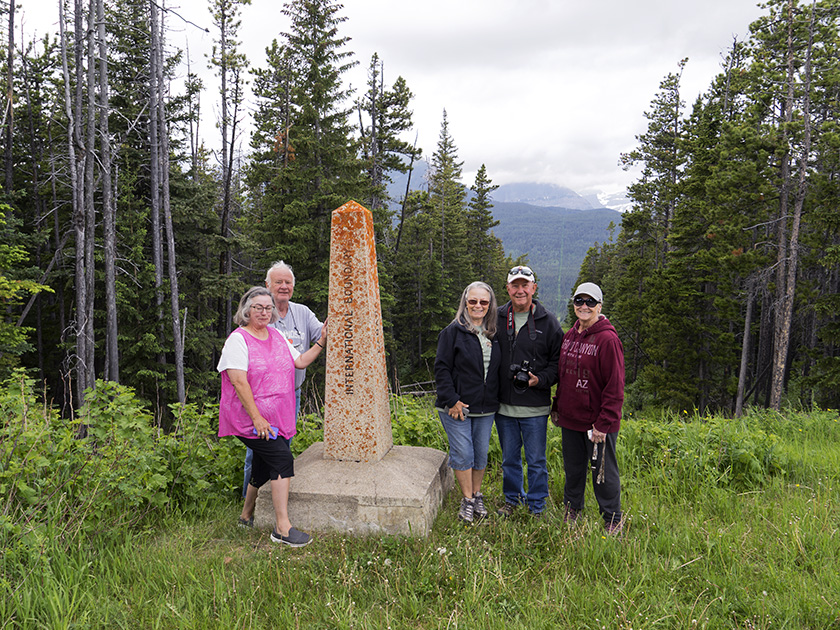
(552, 225)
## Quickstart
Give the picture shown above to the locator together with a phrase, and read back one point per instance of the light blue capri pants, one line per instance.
(469, 440)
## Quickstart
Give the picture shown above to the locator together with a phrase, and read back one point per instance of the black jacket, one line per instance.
(459, 371)
(543, 353)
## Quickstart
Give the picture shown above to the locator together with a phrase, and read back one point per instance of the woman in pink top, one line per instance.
(258, 404)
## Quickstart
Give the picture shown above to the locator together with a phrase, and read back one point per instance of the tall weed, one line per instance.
(699, 451)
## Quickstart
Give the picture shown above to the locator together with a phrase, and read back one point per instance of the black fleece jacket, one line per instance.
(459, 371)
(543, 353)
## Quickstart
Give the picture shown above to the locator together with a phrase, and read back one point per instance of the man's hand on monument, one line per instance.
(322, 340)
(306, 358)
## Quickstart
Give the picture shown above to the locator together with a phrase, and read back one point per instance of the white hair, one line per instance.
(279, 265)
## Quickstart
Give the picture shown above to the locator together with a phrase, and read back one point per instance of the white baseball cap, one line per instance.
(521, 271)
(591, 289)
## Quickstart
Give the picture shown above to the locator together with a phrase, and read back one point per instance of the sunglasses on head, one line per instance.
(521, 271)
(473, 302)
(590, 301)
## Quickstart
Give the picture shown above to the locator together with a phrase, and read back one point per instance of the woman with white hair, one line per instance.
(467, 379)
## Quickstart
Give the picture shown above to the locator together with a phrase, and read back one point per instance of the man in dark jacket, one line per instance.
(530, 339)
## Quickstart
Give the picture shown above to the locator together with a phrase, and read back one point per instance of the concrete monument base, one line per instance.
(399, 494)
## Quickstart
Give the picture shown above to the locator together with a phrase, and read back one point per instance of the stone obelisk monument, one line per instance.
(356, 481)
(357, 419)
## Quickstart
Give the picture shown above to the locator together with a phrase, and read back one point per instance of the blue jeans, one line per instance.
(469, 440)
(514, 434)
(249, 454)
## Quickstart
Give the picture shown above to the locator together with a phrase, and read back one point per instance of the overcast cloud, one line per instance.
(537, 90)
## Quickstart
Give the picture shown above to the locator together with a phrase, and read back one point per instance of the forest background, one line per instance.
(126, 242)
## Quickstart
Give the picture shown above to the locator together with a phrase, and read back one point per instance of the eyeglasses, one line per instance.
(521, 271)
(473, 302)
(259, 308)
(590, 302)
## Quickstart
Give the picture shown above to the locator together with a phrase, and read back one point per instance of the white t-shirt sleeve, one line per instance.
(292, 349)
(234, 354)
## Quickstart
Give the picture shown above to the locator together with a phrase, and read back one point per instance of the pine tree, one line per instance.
(383, 151)
(485, 249)
(448, 198)
(305, 159)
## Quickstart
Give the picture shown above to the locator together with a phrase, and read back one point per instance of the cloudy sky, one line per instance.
(537, 90)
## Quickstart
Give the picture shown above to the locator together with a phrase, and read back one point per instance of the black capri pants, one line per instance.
(272, 459)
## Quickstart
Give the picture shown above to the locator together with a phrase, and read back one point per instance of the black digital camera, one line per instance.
(519, 375)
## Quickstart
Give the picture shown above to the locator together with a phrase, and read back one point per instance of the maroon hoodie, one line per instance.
(590, 390)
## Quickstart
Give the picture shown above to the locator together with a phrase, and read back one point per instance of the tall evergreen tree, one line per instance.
(383, 150)
(305, 162)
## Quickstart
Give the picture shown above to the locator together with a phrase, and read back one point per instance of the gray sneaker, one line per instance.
(467, 510)
(480, 509)
(296, 538)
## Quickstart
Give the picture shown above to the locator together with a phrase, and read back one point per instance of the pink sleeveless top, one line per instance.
(271, 374)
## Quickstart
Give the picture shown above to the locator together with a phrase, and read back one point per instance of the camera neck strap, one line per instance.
(511, 328)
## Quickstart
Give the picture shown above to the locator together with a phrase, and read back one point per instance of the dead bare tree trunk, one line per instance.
(157, 33)
(230, 64)
(154, 177)
(788, 253)
(73, 107)
(10, 95)
(112, 361)
(89, 200)
(745, 350)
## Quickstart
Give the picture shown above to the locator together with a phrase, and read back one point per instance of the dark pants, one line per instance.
(272, 459)
(249, 454)
(577, 459)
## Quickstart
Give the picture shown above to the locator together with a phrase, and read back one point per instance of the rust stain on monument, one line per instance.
(357, 420)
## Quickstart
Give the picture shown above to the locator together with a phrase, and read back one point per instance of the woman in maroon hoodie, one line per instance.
(587, 406)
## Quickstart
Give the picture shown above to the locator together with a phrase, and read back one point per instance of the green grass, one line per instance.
(707, 545)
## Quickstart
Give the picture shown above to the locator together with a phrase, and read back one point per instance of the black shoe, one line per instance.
(614, 528)
(571, 516)
(506, 510)
(248, 523)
